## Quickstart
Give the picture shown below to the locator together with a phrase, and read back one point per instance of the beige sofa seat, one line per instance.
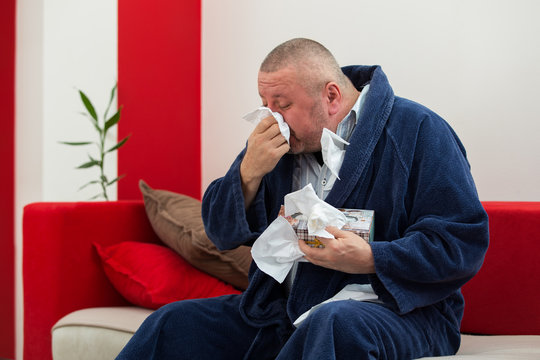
(496, 347)
(95, 333)
(101, 333)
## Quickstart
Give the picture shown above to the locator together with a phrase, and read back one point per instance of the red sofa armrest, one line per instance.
(61, 269)
(503, 298)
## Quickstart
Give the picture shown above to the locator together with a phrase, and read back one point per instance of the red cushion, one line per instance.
(503, 297)
(151, 275)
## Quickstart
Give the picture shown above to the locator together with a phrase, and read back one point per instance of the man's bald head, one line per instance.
(314, 64)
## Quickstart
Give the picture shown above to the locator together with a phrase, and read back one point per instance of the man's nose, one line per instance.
(274, 108)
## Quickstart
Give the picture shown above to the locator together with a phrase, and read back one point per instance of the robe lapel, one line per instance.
(373, 118)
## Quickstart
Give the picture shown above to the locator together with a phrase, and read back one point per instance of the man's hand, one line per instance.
(265, 147)
(348, 252)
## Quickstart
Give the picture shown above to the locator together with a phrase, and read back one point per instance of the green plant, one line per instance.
(102, 126)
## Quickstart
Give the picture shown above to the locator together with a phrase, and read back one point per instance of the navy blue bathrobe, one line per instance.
(405, 163)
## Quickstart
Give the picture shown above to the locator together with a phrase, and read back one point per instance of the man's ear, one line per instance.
(333, 97)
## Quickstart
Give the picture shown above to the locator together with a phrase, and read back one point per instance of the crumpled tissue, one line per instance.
(276, 249)
(358, 292)
(333, 150)
(263, 112)
(318, 213)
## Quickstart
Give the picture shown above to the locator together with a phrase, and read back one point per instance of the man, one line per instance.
(404, 162)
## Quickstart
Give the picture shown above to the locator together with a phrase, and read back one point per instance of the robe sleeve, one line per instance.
(445, 238)
(226, 221)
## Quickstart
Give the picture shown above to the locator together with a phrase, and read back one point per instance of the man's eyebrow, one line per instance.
(275, 96)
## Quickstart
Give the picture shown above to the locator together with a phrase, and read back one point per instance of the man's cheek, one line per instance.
(295, 145)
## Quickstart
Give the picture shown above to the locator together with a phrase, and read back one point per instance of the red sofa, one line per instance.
(61, 269)
(62, 272)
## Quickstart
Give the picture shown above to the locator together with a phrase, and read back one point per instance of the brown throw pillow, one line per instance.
(177, 221)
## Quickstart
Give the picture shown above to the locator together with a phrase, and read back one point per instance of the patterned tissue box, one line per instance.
(361, 222)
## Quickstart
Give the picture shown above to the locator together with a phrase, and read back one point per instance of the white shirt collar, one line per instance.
(346, 126)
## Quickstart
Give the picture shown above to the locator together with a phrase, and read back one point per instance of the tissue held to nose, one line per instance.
(263, 112)
(332, 146)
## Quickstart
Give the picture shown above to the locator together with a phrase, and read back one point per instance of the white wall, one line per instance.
(474, 62)
(61, 45)
(80, 52)
(28, 132)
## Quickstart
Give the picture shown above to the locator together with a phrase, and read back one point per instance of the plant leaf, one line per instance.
(95, 196)
(117, 146)
(99, 130)
(112, 121)
(110, 100)
(116, 180)
(89, 164)
(89, 183)
(76, 143)
(88, 105)
(95, 123)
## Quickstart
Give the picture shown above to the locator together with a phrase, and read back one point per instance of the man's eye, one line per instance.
(285, 107)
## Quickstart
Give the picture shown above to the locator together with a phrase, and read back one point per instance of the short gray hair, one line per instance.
(314, 63)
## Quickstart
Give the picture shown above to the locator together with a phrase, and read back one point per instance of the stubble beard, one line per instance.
(312, 142)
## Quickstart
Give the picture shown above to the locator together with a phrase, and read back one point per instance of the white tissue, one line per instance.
(276, 249)
(319, 214)
(333, 150)
(359, 292)
(263, 112)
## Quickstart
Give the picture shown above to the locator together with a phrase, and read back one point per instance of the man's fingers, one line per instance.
(347, 252)
(313, 248)
(265, 124)
(268, 130)
(279, 141)
(307, 250)
(338, 233)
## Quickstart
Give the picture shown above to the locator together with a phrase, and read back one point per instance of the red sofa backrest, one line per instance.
(62, 272)
(504, 297)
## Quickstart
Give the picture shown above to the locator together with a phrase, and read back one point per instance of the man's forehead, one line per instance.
(285, 75)
(272, 95)
(276, 84)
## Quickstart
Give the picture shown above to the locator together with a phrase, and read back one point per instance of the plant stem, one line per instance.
(102, 161)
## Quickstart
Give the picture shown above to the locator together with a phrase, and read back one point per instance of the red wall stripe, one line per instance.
(159, 46)
(7, 182)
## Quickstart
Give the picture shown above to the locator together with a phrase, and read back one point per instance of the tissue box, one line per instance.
(361, 222)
